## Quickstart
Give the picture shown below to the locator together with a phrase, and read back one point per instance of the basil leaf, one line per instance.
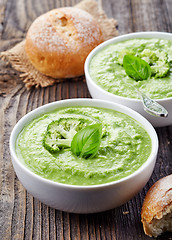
(87, 141)
(136, 67)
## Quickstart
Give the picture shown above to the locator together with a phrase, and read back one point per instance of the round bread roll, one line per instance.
(58, 42)
(156, 214)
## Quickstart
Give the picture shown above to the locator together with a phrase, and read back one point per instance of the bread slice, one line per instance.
(156, 214)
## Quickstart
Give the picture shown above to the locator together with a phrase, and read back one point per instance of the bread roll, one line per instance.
(156, 214)
(58, 42)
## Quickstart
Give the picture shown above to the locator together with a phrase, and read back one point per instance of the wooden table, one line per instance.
(22, 216)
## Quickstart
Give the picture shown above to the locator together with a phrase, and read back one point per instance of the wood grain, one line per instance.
(21, 215)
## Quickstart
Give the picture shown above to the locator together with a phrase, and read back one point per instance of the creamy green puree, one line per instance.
(125, 146)
(107, 71)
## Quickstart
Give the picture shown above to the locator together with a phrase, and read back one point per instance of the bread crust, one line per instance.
(58, 42)
(156, 206)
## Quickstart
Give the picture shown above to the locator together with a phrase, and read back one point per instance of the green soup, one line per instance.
(107, 71)
(125, 146)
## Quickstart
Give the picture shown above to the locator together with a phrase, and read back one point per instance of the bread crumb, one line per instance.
(126, 212)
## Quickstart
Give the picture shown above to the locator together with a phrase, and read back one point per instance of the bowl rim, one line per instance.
(128, 36)
(82, 102)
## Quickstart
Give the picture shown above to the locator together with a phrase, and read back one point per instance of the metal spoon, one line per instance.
(152, 107)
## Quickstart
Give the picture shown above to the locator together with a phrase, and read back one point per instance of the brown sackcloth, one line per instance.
(17, 57)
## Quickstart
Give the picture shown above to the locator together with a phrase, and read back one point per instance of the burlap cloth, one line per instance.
(17, 57)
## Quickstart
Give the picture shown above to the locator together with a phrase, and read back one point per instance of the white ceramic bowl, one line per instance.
(136, 104)
(83, 199)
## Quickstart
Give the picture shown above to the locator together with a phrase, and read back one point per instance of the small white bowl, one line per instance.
(83, 199)
(136, 104)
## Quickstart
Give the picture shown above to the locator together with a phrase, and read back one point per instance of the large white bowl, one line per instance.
(136, 104)
(83, 199)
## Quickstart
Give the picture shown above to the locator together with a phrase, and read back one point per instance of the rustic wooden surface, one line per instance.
(22, 216)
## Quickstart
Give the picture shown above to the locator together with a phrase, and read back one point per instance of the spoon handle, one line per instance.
(152, 107)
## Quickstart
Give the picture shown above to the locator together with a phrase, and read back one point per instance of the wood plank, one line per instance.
(21, 215)
(140, 15)
(28, 228)
(52, 224)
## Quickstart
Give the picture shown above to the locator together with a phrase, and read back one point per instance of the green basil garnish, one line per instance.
(87, 141)
(136, 67)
